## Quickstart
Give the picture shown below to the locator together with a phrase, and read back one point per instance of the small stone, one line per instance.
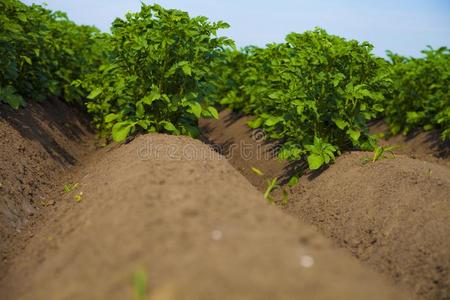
(216, 235)
(306, 261)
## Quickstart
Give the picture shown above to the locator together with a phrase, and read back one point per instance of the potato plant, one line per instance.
(315, 92)
(155, 80)
(420, 97)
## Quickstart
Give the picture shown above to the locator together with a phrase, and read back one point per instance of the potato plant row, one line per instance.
(160, 70)
(42, 53)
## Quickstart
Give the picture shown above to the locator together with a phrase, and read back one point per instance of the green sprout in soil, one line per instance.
(78, 197)
(140, 284)
(257, 171)
(69, 187)
(271, 186)
(380, 151)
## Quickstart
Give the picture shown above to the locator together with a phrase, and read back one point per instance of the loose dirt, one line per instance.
(417, 144)
(38, 145)
(393, 215)
(174, 210)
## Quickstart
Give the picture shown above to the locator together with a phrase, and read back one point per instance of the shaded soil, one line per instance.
(176, 210)
(394, 214)
(417, 144)
(38, 145)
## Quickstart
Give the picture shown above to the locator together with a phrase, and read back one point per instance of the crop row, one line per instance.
(161, 70)
(42, 53)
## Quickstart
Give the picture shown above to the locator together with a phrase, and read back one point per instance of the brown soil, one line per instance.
(394, 214)
(176, 210)
(417, 144)
(38, 145)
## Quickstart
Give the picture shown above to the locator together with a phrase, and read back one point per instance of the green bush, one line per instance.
(155, 80)
(315, 92)
(42, 52)
(225, 82)
(420, 97)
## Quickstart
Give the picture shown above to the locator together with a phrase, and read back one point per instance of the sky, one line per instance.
(402, 26)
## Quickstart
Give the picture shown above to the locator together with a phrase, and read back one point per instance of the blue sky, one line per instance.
(403, 26)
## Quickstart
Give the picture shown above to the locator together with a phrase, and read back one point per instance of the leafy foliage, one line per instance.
(315, 92)
(420, 95)
(155, 80)
(320, 153)
(42, 52)
(161, 70)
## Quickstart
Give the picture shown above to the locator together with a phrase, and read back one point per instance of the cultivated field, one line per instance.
(159, 161)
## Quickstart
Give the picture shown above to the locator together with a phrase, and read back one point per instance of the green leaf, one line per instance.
(255, 123)
(354, 134)
(339, 77)
(275, 95)
(140, 110)
(377, 153)
(427, 127)
(121, 130)
(273, 121)
(213, 112)
(341, 124)
(143, 123)
(8, 95)
(187, 69)
(111, 117)
(315, 161)
(191, 131)
(169, 126)
(15, 101)
(196, 109)
(154, 95)
(293, 181)
(27, 59)
(94, 93)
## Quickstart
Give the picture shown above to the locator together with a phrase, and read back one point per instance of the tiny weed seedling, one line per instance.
(380, 151)
(257, 171)
(140, 287)
(70, 187)
(274, 184)
(378, 154)
(78, 197)
(365, 160)
(293, 181)
(285, 198)
(271, 185)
